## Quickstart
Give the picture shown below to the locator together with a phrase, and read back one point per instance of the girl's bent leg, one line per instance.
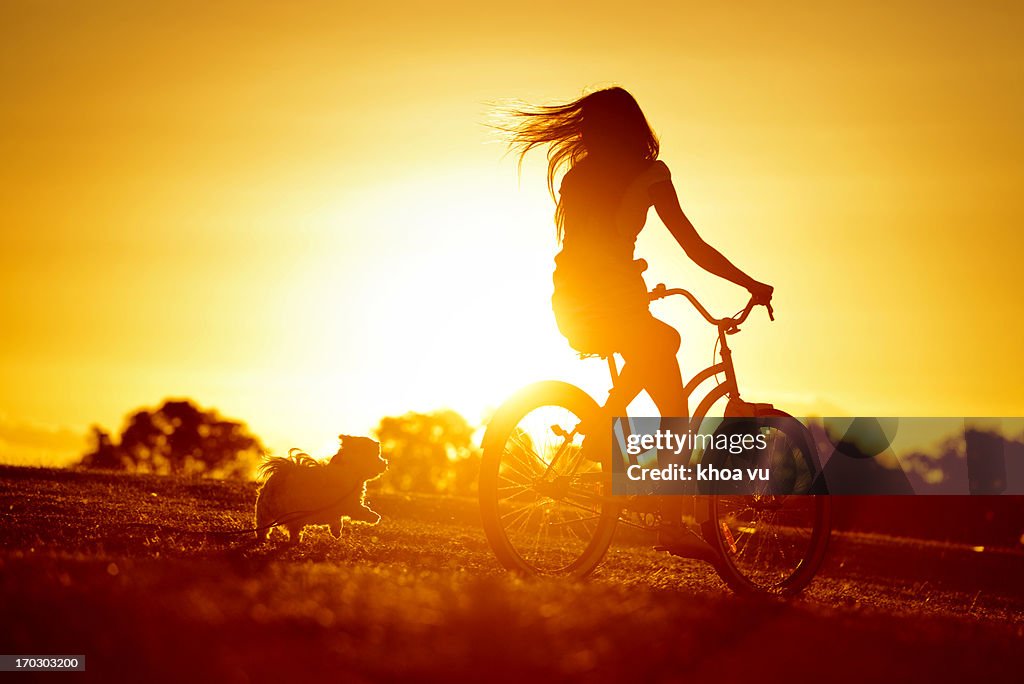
(652, 361)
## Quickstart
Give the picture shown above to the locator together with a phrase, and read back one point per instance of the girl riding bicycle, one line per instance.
(612, 177)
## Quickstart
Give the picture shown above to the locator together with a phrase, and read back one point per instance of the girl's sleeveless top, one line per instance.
(597, 284)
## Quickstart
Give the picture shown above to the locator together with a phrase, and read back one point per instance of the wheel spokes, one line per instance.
(772, 531)
(548, 507)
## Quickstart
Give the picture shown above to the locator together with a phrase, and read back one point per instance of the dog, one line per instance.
(301, 490)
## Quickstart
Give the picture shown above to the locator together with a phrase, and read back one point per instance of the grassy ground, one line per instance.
(115, 567)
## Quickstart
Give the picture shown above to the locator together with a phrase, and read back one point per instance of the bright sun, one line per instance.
(456, 313)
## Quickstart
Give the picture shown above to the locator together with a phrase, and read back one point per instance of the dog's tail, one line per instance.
(281, 464)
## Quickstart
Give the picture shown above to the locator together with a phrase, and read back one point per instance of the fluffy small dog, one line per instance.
(302, 491)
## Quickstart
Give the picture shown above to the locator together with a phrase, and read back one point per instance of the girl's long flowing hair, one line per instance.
(607, 124)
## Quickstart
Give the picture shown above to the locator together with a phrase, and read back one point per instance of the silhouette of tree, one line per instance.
(430, 452)
(177, 438)
(104, 455)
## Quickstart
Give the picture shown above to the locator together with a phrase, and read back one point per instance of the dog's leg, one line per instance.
(263, 518)
(336, 529)
(294, 534)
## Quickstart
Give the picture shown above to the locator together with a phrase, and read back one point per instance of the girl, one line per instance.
(612, 177)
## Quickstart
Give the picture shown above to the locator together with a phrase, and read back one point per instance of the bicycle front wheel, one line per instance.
(773, 542)
(545, 506)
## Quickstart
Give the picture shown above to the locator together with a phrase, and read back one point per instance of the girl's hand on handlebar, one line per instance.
(761, 293)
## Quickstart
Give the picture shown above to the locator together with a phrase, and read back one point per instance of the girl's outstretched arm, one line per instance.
(666, 203)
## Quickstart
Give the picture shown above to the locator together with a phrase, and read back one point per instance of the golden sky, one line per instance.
(292, 211)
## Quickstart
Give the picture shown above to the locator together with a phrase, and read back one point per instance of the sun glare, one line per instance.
(426, 326)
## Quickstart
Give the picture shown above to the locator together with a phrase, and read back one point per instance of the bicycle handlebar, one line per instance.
(729, 322)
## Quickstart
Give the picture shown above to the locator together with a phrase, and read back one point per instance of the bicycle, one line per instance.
(548, 510)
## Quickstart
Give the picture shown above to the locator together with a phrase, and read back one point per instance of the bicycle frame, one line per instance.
(728, 387)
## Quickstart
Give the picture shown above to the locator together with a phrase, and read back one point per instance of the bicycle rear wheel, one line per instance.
(772, 541)
(545, 507)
